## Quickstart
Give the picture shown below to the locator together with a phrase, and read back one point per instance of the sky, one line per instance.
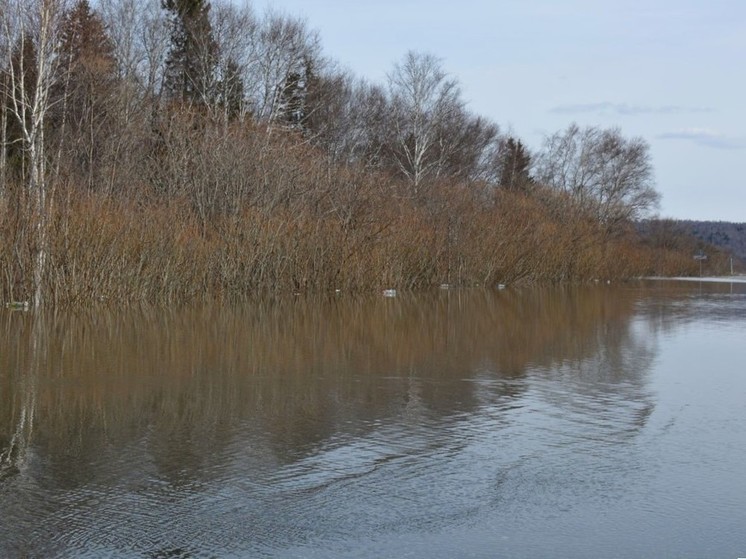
(671, 72)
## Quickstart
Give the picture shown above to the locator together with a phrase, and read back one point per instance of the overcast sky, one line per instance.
(673, 72)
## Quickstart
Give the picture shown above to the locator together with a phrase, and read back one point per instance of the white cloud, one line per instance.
(705, 137)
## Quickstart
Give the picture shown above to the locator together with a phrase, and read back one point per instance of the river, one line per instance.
(584, 422)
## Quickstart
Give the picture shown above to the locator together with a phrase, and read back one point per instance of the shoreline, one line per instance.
(707, 279)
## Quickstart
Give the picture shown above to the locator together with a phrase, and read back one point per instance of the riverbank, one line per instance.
(707, 279)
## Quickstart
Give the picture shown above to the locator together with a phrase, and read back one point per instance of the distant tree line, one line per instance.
(728, 237)
(242, 128)
(723, 243)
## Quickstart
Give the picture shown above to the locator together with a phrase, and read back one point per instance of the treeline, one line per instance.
(176, 149)
(722, 243)
(728, 237)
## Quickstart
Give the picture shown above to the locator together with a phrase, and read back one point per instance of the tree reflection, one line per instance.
(302, 393)
(20, 404)
(301, 371)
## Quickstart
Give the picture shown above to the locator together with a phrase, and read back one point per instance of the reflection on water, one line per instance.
(337, 427)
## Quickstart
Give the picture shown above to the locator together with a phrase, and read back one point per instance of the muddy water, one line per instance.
(585, 422)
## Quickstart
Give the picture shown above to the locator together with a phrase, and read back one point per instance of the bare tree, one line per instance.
(256, 59)
(364, 131)
(235, 32)
(283, 45)
(468, 141)
(423, 100)
(139, 34)
(31, 55)
(605, 173)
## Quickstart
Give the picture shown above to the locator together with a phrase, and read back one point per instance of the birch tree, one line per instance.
(31, 52)
(140, 40)
(423, 101)
(283, 46)
(603, 172)
(3, 132)
(234, 32)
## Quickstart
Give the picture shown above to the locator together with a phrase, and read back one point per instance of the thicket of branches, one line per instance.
(186, 148)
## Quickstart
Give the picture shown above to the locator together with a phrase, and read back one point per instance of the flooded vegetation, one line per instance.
(186, 151)
(584, 422)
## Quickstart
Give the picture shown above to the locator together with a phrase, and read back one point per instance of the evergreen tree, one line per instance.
(192, 58)
(514, 166)
(231, 91)
(88, 66)
(292, 100)
(85, 42)
(85, 87)
(299, 97)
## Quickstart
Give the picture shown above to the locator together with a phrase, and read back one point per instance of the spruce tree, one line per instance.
(231, 91)
(190, 66)
(83, 94)
(299, 97)
(514, 166)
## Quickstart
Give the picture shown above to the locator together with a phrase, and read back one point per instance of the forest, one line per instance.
(179, 149)
(728, 237)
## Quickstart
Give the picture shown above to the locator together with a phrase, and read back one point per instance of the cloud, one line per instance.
(623, 109)
(705, 137)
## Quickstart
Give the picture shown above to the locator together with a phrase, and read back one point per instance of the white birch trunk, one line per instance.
(37, 21)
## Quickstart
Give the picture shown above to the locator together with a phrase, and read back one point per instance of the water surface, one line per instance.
(580, 422)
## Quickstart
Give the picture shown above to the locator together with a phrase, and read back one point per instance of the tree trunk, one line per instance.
(3, 138)
(27, 101)
(38, 187)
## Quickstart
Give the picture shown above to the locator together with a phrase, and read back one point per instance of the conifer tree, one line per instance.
(85, 87)
(292, 99)
(301, 97)
(514, 166)
(192, 58)
(231, 91)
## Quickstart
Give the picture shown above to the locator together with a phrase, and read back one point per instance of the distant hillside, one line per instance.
(730, 237)
(718, 240)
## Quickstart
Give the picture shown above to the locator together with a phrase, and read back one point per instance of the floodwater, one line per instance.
(587, 422)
